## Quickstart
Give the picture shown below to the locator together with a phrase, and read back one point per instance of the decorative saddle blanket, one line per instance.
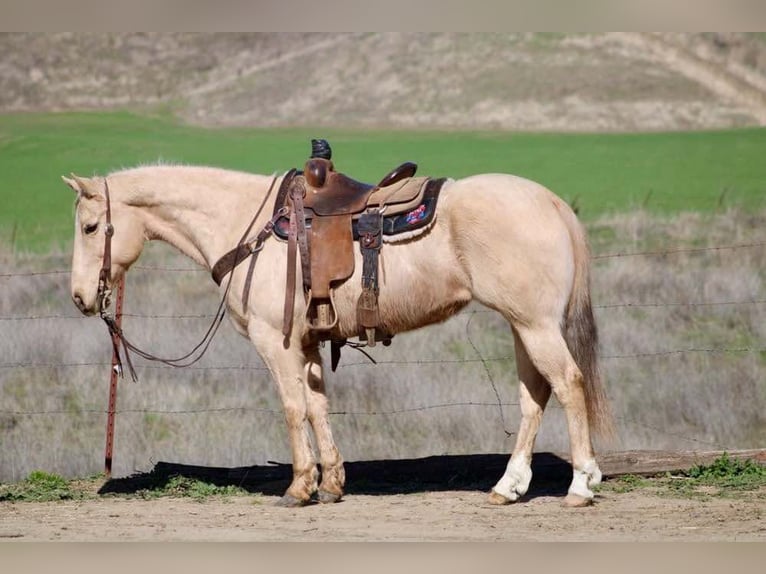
(400, 222)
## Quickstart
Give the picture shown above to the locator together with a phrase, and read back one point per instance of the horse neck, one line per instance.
(202, 212)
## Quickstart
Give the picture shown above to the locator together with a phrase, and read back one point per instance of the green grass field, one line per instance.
(664, 172)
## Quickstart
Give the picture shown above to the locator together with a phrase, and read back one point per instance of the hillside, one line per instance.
(581, 82)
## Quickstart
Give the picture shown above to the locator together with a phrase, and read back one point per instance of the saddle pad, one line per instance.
(402, 220)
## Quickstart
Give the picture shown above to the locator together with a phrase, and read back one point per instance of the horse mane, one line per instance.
(160, 164)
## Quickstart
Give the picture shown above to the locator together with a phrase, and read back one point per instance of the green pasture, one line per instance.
(662, 172)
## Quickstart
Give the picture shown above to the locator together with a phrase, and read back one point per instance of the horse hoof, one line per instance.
(576, 501)
(497, 499)
(289, 501)
(326, 497)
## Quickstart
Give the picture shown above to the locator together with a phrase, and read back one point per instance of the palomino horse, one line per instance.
(502, 240)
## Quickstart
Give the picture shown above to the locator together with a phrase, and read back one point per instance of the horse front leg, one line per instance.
(287, 367)
(333, 473)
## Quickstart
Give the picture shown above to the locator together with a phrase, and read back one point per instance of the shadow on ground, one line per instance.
(551, 476)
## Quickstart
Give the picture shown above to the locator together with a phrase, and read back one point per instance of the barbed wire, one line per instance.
(681, 304)
(732, 350)
(279, 412)
(692, 350)
(29, 365)
(341, 412)
(391, 362)
(679, 250)
(34, 273)
(208, 316)
(649, 253)
(498, 404)
(650, 304)
(59, 316)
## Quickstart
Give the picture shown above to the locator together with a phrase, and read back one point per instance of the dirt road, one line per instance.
(438, 516)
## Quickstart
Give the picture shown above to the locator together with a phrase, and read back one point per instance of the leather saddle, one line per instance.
(322, 214)
(333, 211)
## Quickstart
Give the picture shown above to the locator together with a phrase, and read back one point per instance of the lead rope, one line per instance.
(117, 334)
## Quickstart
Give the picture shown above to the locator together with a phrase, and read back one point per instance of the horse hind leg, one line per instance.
(548, 352)
(534, 392)
(333, 473)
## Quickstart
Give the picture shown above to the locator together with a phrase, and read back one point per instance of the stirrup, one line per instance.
(321, 314)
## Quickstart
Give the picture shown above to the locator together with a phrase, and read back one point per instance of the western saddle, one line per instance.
(321, 213)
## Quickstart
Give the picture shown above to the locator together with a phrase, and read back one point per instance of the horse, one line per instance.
(502, 240)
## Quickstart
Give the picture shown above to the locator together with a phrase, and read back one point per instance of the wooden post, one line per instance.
(113, 376)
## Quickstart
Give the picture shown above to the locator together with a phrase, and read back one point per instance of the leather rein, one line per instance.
(244, 249)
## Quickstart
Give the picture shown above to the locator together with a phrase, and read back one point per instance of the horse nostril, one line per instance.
(78, 301)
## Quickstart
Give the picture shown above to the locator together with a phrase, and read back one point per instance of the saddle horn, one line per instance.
(320, 148)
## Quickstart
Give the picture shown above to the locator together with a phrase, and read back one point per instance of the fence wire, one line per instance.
(597, 256)
(398, 363)
(345, 413)
(208, 316)
(498, 404)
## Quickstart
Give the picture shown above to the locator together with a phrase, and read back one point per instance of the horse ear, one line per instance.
(79, 185)
(71, 183)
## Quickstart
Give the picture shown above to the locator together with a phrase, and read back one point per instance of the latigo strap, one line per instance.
(370, 241)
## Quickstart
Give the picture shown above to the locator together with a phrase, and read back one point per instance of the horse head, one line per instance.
(93, 206)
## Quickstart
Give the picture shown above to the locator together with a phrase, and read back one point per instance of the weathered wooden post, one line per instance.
(113, 376)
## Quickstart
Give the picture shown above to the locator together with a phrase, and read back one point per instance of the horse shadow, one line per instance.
(475, 472)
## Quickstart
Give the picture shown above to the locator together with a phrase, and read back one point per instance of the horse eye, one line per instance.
(90, 228)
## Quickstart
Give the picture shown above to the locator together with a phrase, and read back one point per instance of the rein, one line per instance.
(243, 250)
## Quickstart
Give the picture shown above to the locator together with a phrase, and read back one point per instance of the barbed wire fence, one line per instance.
(11, 321)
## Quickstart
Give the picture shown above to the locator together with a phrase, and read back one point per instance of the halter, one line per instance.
(104, 293)
(243, 250)
(105, 275)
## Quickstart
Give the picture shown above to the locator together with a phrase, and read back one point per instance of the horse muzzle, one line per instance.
(86, 308)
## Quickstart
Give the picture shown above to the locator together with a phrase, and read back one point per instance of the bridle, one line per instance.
(104, 293)
(244, 249)
(105, 275)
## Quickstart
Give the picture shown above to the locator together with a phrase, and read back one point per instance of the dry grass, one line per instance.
(519, 81)
(224, 411)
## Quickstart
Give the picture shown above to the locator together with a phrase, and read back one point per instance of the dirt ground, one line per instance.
(428, 516)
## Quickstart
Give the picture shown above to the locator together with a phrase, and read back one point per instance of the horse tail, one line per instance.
(581, 334)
